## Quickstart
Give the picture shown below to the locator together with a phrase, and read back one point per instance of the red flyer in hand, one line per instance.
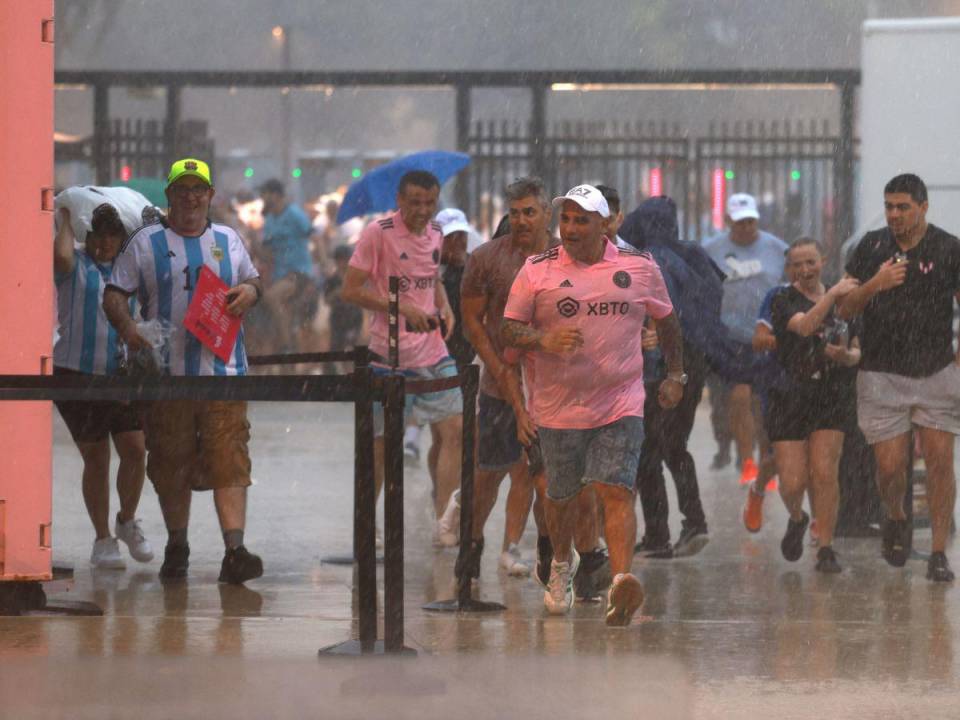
(207, 318)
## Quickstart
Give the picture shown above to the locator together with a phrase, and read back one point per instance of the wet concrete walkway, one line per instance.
(734, 632)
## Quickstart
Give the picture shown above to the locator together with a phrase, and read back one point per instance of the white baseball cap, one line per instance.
(452, 220)
(741, 206)
(587, 197)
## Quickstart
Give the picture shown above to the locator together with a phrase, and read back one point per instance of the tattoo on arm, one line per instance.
(519, 335)
(671, 342)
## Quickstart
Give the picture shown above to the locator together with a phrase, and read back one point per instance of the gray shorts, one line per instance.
(575, 458)
(888, 405)
(426, 408)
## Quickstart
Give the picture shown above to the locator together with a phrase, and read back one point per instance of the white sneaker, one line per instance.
(448, 526)
(558, 598)
(512, 561)
(132, 534)
(106, 555)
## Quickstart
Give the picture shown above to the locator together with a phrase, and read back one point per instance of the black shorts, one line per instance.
(498, 448)
(91, 421)
(796, 413)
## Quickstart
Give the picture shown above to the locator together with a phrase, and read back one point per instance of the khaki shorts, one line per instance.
(200, 445)
(888, 405)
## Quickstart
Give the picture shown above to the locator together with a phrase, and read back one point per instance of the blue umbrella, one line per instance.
(377, 190)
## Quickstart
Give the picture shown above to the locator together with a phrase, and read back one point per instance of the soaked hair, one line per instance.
(420, 178)
(611, 196)
(106, 222)
(910, 184)
(524, 187)
(803, 241)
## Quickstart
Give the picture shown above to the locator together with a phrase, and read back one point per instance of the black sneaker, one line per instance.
(240, 565)
(176, 560)
(938, 569)
(544, 559)
(468, 563)
(594, 575)
(654, 549)
(792, 544)
(827, 560)
(693, 538)
(896, 542)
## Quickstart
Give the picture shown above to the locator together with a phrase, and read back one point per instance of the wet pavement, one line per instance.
(734, 632)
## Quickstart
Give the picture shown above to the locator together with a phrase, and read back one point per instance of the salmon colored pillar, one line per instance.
(26, 287)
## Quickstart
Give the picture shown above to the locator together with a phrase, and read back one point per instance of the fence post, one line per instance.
(364, 505)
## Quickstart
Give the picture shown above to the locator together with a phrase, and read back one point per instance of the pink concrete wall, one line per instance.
(26, 290)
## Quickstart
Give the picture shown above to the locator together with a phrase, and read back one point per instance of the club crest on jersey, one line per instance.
(217, 252)
(621, 279)
(404, 283)
(568, 307)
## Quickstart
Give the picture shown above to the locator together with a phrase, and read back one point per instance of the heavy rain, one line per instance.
(503, 360)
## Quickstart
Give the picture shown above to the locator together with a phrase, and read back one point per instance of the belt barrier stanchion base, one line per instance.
(464, 602)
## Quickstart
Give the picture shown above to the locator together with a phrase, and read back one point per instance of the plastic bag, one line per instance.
(152, 361)
(81, 201)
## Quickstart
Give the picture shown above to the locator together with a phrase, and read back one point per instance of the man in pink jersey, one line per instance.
(578, 310)
(407, 244)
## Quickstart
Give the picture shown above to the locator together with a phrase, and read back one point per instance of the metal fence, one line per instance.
(789, 166)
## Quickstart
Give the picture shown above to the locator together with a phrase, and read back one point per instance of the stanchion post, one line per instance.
(393, 320)
(393, 514)
(463, 602)
(471, 383)
(364, 508)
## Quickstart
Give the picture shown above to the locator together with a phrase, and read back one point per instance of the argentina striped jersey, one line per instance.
(87, 341)
(162, 268)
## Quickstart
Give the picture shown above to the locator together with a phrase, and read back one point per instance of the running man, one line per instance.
(578, 311)
(909, 376)
(407, 244)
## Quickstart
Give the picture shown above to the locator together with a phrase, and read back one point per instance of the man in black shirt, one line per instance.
(909, 376)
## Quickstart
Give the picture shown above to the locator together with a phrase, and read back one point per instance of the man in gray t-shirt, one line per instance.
(753, 262)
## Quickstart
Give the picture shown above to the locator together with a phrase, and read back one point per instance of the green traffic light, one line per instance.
(248, 173)
(356, 172)
(794, 174)
(729, 174)
(296, 172)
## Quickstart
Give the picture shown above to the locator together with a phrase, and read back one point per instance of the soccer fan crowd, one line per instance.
(596, 347)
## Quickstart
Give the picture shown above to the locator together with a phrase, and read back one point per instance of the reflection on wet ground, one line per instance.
(734, 632)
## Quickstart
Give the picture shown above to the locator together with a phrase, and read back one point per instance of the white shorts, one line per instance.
(888, 405)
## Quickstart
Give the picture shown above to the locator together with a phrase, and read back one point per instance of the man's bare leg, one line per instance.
(741, 420)
(519, 501)
(486, 487)
(449, 431)
(938, 449)
(231, 504)
(891, 458)
(620, 523)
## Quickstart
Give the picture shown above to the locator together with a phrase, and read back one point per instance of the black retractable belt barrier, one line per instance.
(463, 602)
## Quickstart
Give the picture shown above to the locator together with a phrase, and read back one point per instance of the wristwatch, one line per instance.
(682, 378)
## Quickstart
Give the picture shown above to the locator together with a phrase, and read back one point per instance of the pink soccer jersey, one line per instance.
(386, 247)
(608, 301)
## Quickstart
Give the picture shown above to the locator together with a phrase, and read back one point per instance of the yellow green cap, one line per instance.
(189, 166)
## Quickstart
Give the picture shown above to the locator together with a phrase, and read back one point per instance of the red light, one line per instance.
(719, 196)
(126, 172)
(656, 182)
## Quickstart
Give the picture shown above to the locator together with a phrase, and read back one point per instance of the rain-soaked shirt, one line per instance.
(386, 247)
(602, 381)
(908, 330)
(491, 269)
(751, 270)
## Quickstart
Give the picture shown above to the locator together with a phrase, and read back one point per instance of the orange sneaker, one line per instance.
(773, 484)
(753, 511)
(748, 471)
(623, 599)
